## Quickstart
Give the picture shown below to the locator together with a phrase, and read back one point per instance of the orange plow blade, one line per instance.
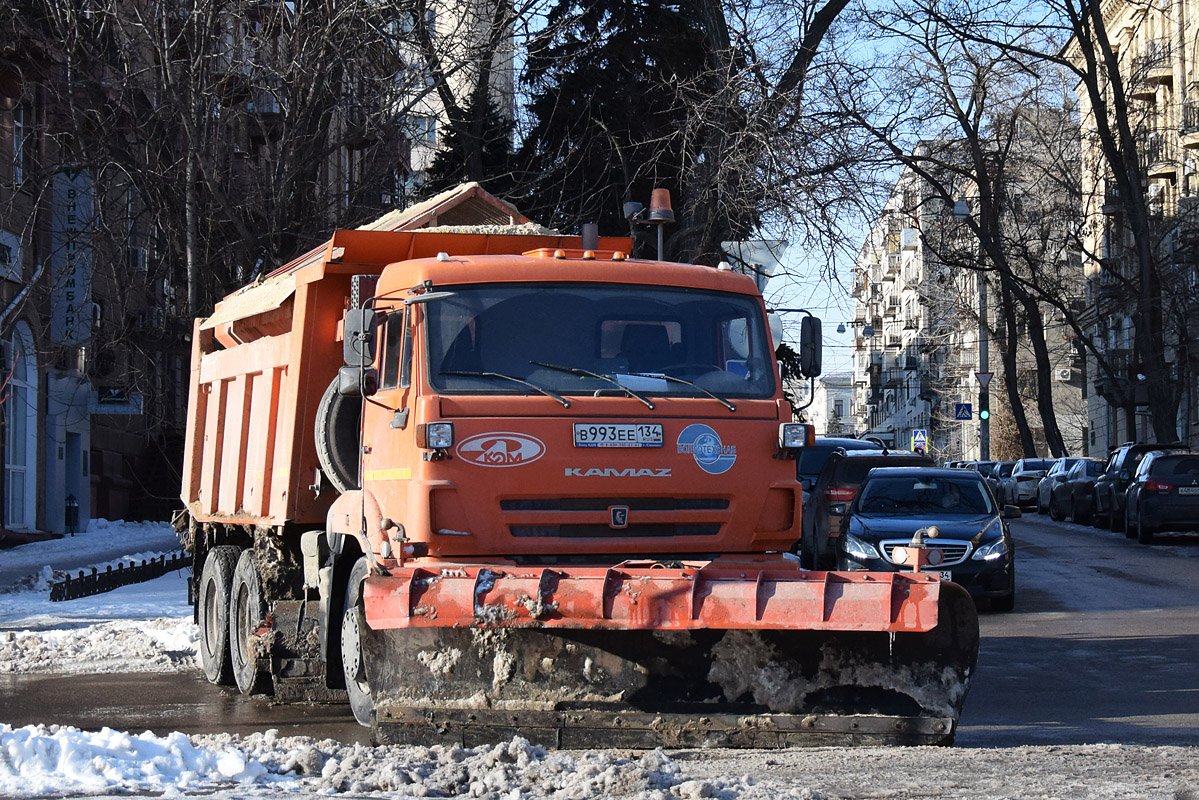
(687, 654)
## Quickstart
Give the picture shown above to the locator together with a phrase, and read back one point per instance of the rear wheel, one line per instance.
(1115, 519)
(246, 612)
(353, 664)
(216, 579)
(1055, 510)
(1144, 532)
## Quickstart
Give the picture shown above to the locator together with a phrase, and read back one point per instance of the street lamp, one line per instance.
(961, 211)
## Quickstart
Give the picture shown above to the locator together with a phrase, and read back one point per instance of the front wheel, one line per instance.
(353, 664)
(1055, 510)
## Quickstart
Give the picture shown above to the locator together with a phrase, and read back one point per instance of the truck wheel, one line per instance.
(353, 623)
(215, 580)
(338, 420)
(246, 612)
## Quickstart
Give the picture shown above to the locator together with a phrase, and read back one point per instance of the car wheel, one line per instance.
(1080, 513)
(1116, 520)
(1055, 510)
(1144, 533)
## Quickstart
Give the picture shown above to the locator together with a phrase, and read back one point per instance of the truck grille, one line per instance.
(953, 551)
(646, 530)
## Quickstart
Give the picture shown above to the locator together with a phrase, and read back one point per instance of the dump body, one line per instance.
(561, 483)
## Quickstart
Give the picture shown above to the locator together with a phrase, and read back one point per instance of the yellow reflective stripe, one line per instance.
(388, 474)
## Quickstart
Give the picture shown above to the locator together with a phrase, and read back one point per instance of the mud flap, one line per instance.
(638, 688)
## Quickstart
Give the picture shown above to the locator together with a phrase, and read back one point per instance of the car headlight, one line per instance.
(435, 436)
(856, 548)
(990, 552)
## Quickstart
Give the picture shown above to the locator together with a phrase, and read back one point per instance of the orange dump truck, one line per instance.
(491, 484)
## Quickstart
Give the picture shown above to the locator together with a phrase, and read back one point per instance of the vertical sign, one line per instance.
(72, 227)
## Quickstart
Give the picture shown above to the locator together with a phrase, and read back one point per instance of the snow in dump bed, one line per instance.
(145, 627)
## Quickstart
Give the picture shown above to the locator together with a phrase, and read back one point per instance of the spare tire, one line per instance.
(338, 427)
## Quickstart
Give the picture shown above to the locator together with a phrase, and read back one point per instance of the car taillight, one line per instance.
(841, 494)
(1155, 486)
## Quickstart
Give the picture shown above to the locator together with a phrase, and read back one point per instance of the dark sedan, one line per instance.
(1074, 495)
(972, 533)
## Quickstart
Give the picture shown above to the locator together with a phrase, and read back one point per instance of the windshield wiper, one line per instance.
(565, 403)
(590, 374)
(693, 385)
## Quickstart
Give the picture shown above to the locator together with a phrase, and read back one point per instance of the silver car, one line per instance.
(1020, 488)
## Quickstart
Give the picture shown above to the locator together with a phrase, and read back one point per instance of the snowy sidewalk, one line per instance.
(103, 541)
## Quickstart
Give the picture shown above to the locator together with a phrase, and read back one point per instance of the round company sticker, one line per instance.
(501, 449)
(703, 443)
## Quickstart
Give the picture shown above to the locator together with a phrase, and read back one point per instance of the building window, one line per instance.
(20, 409)
(22, 143)
(423, 130)
(838, 407)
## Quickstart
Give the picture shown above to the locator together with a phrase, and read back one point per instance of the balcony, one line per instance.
(894, 341)
(1114, 384)
(1158, 157)
(1189, 133)
(1112, 202)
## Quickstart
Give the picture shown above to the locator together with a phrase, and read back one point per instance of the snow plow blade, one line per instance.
(696, 655)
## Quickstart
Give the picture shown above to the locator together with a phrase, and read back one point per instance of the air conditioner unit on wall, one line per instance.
(1063, 374)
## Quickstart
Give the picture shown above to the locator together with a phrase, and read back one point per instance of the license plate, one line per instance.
(1188, 489)
(620, 435)
(945, 575)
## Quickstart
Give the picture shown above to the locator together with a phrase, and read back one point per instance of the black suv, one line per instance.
(1112, 484)
(811, 459)
(843, 473)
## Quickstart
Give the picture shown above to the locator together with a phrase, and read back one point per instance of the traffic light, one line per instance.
(984, 405)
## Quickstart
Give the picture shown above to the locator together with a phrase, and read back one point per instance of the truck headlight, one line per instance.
(856, 548)
(793, 436)
(990, 552)
(435, 436)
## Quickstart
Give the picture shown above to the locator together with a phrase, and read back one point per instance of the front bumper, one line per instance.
(982, 579)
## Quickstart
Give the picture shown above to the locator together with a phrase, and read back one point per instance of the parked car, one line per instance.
(1111, 486)
(1163, 495)
(1001, 471)
(811, 459)
(972, 531)
(838, 483)
(1074, 495)
(1020, 488)
(1055, 475)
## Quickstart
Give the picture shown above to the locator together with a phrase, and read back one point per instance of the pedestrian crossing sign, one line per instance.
(920, 440)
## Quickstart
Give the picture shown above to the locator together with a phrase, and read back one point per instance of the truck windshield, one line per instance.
(633, 335)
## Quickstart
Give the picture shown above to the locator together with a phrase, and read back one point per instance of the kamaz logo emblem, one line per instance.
(615, 472)
(501, 449)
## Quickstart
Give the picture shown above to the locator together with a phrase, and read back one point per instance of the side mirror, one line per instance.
(1124, 475)
(811, 347)
(357, 382)
(358, 346)
(1012, 512)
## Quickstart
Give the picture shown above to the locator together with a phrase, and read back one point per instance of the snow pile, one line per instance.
(165, 644)
(40, 760)
(144, 627)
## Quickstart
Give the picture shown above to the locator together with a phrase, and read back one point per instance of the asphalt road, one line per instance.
(1102, 647)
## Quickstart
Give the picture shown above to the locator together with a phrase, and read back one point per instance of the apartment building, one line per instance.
(119, 223)
(917, 342)
(1154, 46)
